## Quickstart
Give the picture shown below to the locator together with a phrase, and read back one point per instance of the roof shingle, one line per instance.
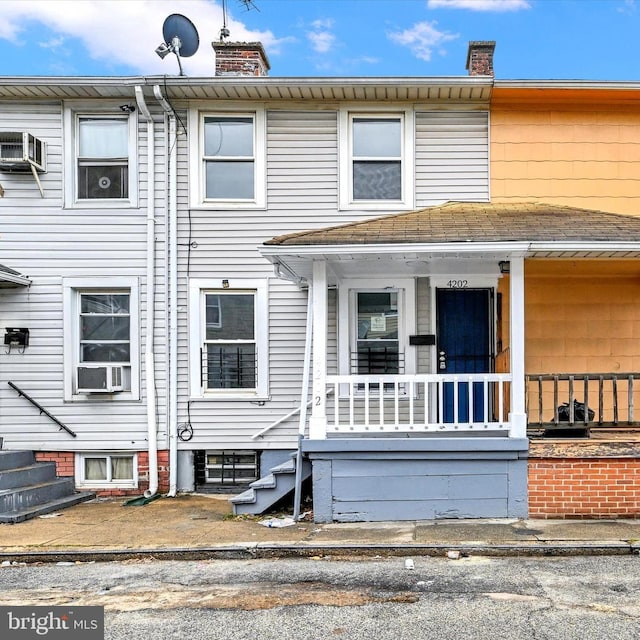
(477, 222)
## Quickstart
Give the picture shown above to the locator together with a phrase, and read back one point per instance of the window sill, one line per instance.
(93, 398)
(102, 204)
(107, 485)
(219, 205)
(381, 205)
(230, 397)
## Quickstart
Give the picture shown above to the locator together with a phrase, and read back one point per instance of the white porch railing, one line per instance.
(418, 403)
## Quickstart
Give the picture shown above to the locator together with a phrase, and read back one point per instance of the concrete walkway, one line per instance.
(202, 526)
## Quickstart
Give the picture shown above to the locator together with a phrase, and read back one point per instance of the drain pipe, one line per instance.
(304, 394)
(173, 294)
(149, 362)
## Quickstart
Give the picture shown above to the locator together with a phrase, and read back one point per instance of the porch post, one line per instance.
(517, 416)
(318, 418)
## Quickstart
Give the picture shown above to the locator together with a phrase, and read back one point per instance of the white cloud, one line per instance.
(321, 38)
(127, 32)
(326, 23)
(629, 7)
(480, 5)
(422, 39)
(321, 41)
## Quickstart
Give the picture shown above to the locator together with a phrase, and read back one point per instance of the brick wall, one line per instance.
(584, 488)
(65, 467)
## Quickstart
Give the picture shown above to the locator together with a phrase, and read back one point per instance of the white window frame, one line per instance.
(197, 289)
(407, 159)
(72, 114)
(72, 288)
(81, 480)
(198, 199)
(347, 318)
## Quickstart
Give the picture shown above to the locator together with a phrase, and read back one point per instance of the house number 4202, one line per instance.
(458, 284)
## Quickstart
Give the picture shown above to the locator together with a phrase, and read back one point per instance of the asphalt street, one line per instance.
(480, 598)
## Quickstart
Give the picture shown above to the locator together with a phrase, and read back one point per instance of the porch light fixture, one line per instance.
(225, 284)
(505, 266)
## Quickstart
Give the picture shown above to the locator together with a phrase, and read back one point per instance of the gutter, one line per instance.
(172, 259)
(149, 361)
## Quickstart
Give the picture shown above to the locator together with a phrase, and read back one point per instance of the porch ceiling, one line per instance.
(11, 279)
(470, 233)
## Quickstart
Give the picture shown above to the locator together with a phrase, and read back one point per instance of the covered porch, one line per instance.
(432, 356)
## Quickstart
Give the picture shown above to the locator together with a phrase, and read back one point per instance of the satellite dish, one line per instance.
(180, 37)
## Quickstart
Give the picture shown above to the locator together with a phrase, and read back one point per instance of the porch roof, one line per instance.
(10, 278)
(477, 222)
(478, 232)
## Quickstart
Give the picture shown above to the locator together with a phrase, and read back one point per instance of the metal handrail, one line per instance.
(42, 410)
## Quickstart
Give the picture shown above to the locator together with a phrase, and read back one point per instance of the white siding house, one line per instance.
(210, 221)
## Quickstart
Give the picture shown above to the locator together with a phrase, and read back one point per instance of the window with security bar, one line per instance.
(230, 351)
(231, 467)
(377, 342)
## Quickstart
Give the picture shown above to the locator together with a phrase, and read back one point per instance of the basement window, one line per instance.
(231, 467)
(98, 470)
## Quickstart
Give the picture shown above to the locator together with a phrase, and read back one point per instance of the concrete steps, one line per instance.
(270, 489)
(29, 488)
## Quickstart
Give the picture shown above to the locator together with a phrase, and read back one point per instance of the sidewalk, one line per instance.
(202, 526)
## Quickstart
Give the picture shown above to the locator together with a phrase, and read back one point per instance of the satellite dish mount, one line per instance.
(180, 37)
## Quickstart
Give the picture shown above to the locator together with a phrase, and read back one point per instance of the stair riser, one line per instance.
(31, 496)
(267, 495)
(15, 459)
(12, 478)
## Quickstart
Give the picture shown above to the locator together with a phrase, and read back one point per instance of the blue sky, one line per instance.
(567, 39)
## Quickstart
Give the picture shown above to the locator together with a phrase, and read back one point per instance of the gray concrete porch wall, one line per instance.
(376, 479)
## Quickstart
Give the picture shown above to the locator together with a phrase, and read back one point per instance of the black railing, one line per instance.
(581, 400)
(42, 410)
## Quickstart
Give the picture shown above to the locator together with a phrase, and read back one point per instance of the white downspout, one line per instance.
(149, 362)
(172, 259)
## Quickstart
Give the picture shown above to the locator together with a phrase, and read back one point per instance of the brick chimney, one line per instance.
(480, 58)
(240, 59)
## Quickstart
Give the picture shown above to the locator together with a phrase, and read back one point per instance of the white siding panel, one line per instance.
(48, 243)
(452, 157)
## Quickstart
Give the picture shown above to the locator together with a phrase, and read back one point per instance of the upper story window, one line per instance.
(231, 159)
(376, 160)
(101, 158)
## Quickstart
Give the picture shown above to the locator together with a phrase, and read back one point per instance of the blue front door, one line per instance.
(465, 345)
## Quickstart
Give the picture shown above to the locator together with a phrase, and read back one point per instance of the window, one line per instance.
(377, 160)
(229, 344)
(107, 470)
(374, 325)
(377, 342)
(231, 156)
(229, 340)
(100, 148)
(103, 158)
(231, 467)
(101, 347)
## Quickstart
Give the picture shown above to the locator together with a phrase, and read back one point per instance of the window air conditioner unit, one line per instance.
(100, 378)
(20, 151)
